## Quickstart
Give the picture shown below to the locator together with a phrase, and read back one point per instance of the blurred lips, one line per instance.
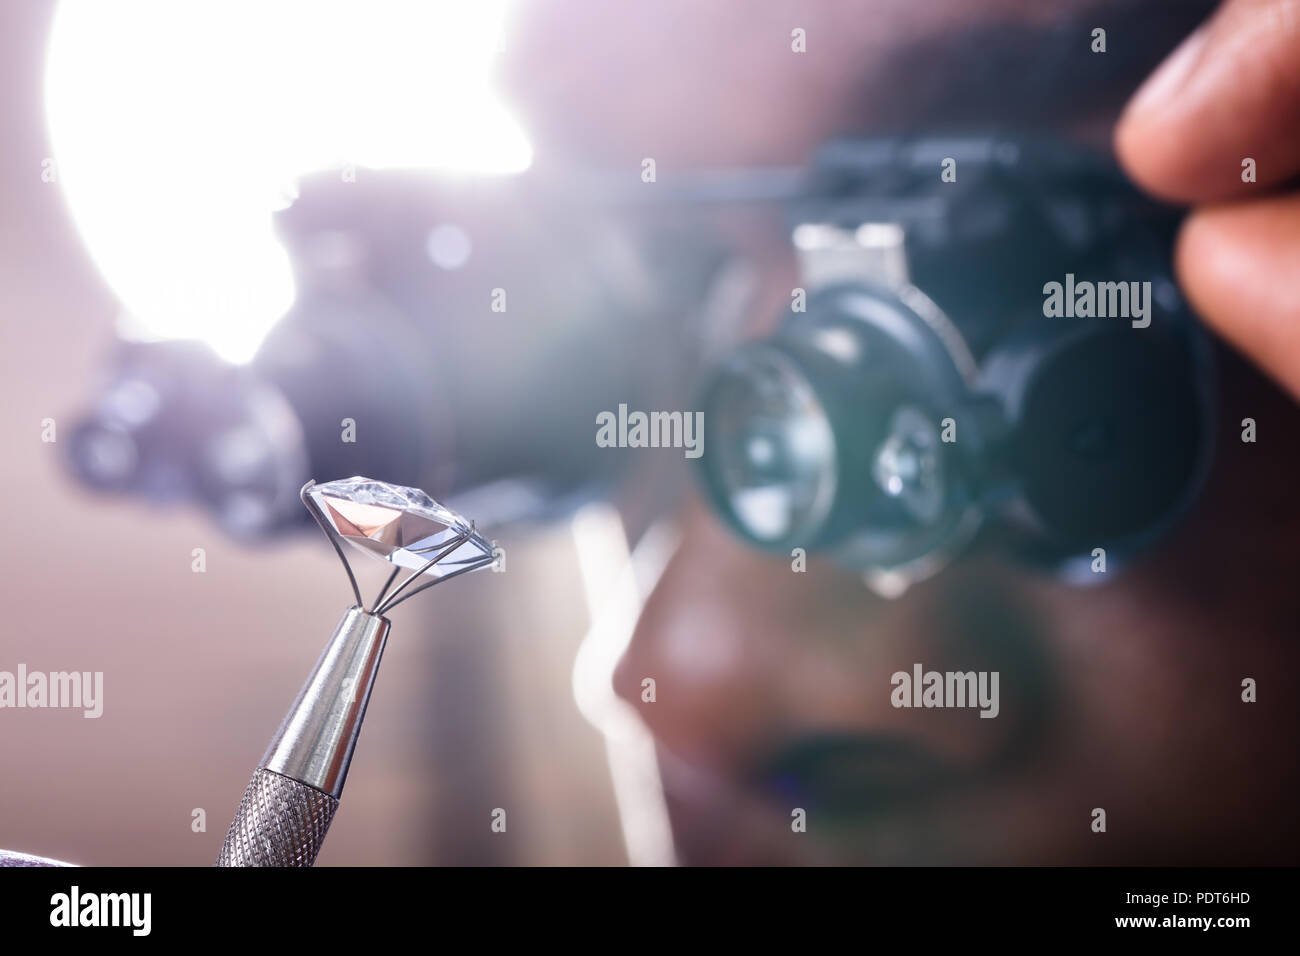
(844, 775)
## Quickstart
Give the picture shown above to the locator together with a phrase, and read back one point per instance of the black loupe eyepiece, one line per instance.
(830, 435)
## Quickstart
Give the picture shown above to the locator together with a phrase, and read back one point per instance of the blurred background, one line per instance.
(250, 244)
(225, 233)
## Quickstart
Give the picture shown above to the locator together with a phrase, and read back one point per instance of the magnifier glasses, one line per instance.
(883, 429)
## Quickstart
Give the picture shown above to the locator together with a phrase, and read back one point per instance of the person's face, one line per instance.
(773, 687)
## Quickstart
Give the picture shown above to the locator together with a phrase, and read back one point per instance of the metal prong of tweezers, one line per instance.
(387, 584)
(329, 533)
(455, 543)
(480, 563)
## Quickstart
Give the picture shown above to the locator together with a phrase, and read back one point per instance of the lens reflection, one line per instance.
(908, 467)
(774, 454)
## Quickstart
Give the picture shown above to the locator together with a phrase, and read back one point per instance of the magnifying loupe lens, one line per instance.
(828, 436)
(908, 466)
(772, 464)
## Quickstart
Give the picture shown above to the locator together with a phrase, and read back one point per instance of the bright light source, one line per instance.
(449, 246)
(178, 128)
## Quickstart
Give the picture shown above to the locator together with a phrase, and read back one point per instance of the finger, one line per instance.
(1230, 92)
(1237, 266)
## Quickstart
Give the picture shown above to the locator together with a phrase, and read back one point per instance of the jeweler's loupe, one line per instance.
(921, 387)
(829, 437)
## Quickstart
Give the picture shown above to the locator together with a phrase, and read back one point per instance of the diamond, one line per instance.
(401, 525)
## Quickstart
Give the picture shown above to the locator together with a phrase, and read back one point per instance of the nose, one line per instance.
(739, 652)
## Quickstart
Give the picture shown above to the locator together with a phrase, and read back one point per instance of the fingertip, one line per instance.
(1217, 119)
(1152, 135)
(1138, 149)
(1196, 261)
(1195, 239)
(1235, 264)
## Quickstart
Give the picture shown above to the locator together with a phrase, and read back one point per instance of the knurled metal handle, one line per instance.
(280, 822)
(291, 799)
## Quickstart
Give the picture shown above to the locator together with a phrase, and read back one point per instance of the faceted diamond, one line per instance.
(401, 525)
